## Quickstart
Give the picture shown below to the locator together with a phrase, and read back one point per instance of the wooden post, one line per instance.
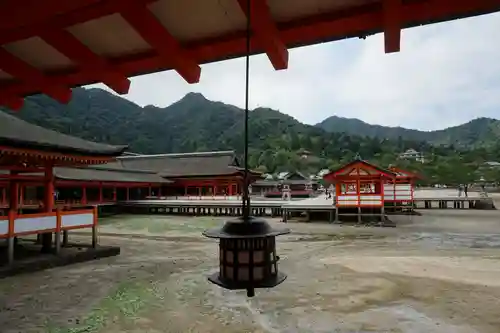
(21, 195)
(49, 206)
(10, 240)
(382, 197)
(58, 230)
(94, 228)
(127, 193)
(65, 238)
(84, 195)
(100, 193)
(358, 191)
(114, 193)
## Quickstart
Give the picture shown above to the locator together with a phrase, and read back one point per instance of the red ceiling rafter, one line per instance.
(266, 32)
(99, 9)
(25, 72)
(325, 27)
(75, 50)
(392, 25)
(13, 103)
(146, 24)
(14, 13)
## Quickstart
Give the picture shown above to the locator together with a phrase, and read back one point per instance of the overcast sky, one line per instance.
(445, 74)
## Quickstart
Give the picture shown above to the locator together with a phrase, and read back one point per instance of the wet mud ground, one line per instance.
(439, 272)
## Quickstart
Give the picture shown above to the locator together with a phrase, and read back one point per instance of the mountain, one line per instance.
(275, 139)
(476, 133)
(196, 124)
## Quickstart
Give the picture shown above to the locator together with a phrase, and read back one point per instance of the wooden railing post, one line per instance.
(94, 227)
(58, 230)
(10, 240)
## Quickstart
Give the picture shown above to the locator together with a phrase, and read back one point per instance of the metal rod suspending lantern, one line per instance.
(247, 245)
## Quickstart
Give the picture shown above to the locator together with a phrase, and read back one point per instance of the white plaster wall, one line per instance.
(27, 224)
(4, 227)
(74, 220)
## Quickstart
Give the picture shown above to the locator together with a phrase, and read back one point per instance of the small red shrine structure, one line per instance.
(359, 189)
(400, 190)
(359, 184)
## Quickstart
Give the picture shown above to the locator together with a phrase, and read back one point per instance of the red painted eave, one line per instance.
(24, 19)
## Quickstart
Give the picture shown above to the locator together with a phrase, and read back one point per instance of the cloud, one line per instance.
(445, 74)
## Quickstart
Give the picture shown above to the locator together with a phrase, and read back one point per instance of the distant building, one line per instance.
(491, 164)
(298, 183)
(303, 153)
(323, 172)
(412, 154)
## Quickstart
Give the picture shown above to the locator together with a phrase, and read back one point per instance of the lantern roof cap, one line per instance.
(240, 228)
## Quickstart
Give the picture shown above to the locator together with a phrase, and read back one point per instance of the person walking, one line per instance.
(460, 189)
(465, 190)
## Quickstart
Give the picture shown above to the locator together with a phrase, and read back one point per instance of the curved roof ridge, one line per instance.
(195, 154)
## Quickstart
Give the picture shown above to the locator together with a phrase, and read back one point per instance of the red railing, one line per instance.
(29, 224)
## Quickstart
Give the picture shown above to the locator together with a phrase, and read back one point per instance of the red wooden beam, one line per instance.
(155, 34)
(266, 32)
(24, 72)
(22, 177)
(72, 48)
(13, 103)
(392, 25)
(314, 29)
(93, 184)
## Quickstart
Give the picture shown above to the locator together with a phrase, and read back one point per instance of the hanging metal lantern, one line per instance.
(248, 259)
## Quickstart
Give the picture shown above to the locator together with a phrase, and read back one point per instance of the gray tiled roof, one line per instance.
(18, 133)
(106, 175)
(217, 163)
(266, 182)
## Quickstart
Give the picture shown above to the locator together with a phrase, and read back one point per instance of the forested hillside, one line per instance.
(480, 132)
(197, 124)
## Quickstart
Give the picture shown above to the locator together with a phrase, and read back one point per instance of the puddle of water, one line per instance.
(488, 241)
(335, 237)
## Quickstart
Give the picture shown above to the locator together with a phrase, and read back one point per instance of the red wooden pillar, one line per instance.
(100, 193)
(21, 195)
(4, 196)
(114, 193)
(214, 190)
(13, 205)
(382, 193)
(48, 206)
(84, 195)
(49, 189)
(127, 193)
(13, 194)
(230, 189)
(199, 191)
(185, 190)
